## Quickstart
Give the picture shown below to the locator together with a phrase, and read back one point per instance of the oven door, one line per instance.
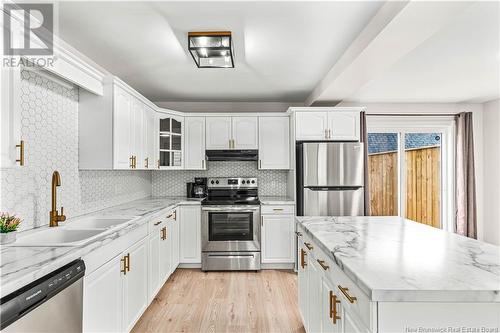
(230, 228)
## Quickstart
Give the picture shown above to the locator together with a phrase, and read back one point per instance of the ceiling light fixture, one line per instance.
(211, 49)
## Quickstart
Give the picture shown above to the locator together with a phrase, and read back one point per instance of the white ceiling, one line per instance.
(282, 49)
(460, 63)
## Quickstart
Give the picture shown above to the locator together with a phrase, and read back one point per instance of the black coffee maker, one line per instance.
(198, 188)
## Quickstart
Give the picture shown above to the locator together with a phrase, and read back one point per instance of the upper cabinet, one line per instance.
(11, 144)
(194, 143)
(117, 130)
(334, 125)
(171, 130)
(274, 143)
(245, 132)
(232, 133)
(218, 134)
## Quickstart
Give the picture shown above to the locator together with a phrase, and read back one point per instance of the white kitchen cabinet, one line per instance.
(174, 235)
(194, 153)
(123, 129)
(165, 252)
(329, 125)
(232, 133)
(311, 125)
(171, 141)
(103, 298)
(303, 282)
(274, 143)
(149, 136)
(314, 294)
(343, 126)
(113, 130)
(277, 237)
(135, 284)
(12, 150)
(245, 132)
(155, 283)
(190, 234)
(218, 133)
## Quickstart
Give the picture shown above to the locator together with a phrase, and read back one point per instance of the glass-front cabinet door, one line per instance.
(171, 130)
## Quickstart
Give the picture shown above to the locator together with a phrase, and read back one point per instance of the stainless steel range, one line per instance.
(230, 225)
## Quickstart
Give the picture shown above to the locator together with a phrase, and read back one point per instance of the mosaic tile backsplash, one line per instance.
(49, 127)
(173, 182)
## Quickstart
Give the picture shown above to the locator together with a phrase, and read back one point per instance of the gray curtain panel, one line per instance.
(364, 139)
(465, 221)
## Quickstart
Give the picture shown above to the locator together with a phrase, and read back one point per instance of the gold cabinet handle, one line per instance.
(157, 223)
(326, 134)
(329, 134)
(309, 246)
(163, 233)
(158, 163)
(131, 161)
(298, 233)
(128, 262)
(175, 215)
(135, 162)
(333, 307)
(302, 258)
(344, 291)
(170, 215)
(322, 264)
(278, 209)
(146, 162)
(21, 152)
(260, 164)
(124, 261)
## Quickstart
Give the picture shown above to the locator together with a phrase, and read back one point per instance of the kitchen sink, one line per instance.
(95, 223)
(58, 236)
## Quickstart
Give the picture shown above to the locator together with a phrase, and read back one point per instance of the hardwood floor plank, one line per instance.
(196, 301)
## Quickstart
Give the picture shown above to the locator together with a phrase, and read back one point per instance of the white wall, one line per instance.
(446, 108)
(491, 172)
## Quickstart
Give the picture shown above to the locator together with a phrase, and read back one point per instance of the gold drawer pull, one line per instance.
(309, 246)
(303, 262)
(322, 264)
(128, 262)
(344, 291)
(333, 307)
(170, 215)
(298, 233)
(164, 233)
(175, 215)
(278, 209)
(159, 222)
(124, 261)
(21, 152)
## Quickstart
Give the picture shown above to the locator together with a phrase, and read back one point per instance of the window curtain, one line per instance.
(364, 139)
(465, 221)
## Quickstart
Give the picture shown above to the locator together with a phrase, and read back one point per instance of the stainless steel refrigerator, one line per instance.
(330, 179)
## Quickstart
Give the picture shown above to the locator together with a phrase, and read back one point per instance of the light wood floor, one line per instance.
(194, 301)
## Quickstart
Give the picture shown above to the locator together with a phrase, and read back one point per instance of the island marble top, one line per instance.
(394, 259)
(20, 266)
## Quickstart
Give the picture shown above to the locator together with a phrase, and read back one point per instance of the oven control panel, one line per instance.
(232, 182)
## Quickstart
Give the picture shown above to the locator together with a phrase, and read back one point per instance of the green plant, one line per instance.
(8, 223)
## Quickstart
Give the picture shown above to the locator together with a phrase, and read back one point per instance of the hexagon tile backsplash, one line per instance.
(49, 127)
(173, 182)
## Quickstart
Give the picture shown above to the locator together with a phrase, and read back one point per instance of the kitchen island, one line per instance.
(388, 274)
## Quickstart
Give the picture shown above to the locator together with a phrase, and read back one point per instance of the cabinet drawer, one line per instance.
(277, 209)
(351, 296)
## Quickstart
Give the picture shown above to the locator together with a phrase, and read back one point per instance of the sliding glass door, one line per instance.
(410, 168)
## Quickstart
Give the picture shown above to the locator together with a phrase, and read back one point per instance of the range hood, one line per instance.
(232, 155)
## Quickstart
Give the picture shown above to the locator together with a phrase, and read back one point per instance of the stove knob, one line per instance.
(216, 182)
(212, 182)
(253, 181)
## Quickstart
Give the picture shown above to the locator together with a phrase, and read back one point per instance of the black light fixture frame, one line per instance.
(211, 34)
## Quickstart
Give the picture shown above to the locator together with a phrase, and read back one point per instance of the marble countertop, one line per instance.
(20, 266)
(393, 259)
(281, 200)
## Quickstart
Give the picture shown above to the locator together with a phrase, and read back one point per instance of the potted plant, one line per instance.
(8, 227)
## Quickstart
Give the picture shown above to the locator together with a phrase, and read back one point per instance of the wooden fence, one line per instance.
(423, 187)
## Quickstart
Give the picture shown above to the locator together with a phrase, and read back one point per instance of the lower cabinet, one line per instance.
(115, 295)
(190, 234)
(135, 283)
(165, 252)
(277, 234)
(103, 298)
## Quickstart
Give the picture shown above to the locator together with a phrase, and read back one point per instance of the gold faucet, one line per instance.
(55, 218)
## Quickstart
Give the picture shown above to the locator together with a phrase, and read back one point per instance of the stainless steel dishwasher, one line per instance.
(52, 303)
